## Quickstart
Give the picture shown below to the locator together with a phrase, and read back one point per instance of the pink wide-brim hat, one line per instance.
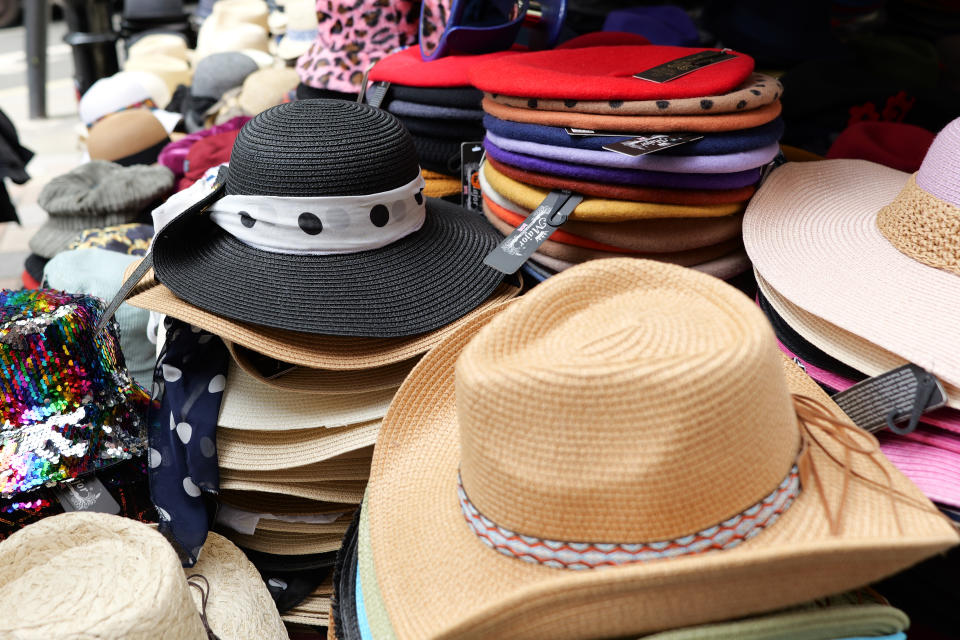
(870, 250)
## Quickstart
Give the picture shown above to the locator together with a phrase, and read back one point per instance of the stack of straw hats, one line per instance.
(681, 204)
(550, 472)
(387, 274)
(858, 267)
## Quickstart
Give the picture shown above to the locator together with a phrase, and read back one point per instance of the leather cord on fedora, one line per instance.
(204, 596)
(810, 414)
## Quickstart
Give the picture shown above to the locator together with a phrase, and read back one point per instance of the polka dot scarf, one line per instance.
(188, 381)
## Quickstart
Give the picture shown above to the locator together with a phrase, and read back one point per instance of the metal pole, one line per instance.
(35, 18)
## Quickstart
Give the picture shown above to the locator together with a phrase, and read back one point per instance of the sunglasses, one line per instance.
(465, 27)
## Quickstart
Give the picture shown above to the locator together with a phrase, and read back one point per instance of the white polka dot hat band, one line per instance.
(327, 225)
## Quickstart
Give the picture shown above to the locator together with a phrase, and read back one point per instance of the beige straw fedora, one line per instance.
(343, 491)
(871, 250)
(304, 349)
(84, 575)
(862, 355)
(288, 544)
(315, 609)
(327, 471)
(309, 380)
(249, 404)
(246, 450)
(279, 504)
(620, 452)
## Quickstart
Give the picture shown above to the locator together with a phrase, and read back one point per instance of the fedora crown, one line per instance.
(624, 406)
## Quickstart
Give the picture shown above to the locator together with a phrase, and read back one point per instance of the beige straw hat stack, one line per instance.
(624, 450)
(91, 575)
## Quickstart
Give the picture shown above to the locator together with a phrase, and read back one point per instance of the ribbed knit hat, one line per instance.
(96, 194)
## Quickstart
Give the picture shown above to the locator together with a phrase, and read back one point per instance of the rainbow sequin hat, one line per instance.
(68, 406)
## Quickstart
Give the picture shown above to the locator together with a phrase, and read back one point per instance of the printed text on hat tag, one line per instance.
(901, 394)
(517, 248)
(642, 145)
(682, 66)
(88, 494)
(471, 157)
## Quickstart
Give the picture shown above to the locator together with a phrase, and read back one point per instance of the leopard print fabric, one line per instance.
(353, 34)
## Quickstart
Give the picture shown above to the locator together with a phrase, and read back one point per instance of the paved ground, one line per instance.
(54, 139)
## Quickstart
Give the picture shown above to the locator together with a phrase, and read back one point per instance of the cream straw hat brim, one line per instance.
(471, 591)
(272, 450)
(812, 234)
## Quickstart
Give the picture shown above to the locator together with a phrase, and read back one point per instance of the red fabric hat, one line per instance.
(894, 144)
(406, 67)
(29, 282)
(606, 73)
(205, 153)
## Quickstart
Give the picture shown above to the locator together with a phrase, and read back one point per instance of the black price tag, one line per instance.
(575, 132)
(471, 157)
(517, 247)
(87, 494)
(897, 396)
(376, 93)
(682, 66)
(642, 145)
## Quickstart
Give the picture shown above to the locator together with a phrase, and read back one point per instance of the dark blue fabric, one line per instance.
(710, 145)
(188, 381)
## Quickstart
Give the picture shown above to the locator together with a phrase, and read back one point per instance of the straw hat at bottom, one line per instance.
(651, 466)
(92, 575)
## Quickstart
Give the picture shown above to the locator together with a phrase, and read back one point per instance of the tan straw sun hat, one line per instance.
(249, 404)
(246, 450)
(85, 575)
(870, 250)
(619, 452)
(304, 349)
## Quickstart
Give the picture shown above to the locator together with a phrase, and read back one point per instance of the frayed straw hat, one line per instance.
(85, 575)
(626, 451)
(871, 250)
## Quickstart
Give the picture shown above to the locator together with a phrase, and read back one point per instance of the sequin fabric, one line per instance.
(68, 407)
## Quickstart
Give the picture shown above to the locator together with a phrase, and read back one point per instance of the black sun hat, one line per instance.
(322, 227)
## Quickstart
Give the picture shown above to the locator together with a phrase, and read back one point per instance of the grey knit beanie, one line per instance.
(220, 72)
(96, 194)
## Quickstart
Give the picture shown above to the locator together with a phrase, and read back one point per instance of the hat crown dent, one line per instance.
(940, 172)
(321, 148)
(638, 402)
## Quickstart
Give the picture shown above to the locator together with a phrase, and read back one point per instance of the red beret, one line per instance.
(893, 144)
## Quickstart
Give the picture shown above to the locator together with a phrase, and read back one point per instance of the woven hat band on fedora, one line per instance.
(923, 221)
(592, 555)
(635, 367)
(325, 225)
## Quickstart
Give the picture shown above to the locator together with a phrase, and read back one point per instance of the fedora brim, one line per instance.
(422, 282)
(471, 591)
(303, 349)
(272, 450)
(812, 234)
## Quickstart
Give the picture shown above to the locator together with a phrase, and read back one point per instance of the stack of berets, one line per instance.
(328, 275)
(437, 105)
(681, 204)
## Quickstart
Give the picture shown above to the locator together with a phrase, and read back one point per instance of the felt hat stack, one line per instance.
(437, 105)
(682, 204)
(388, 273)
(164, 55)
(549, 471)
(857, 266)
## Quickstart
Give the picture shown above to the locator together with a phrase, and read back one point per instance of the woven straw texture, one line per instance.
(724, 267)
(647, 124)
(923, 227)
(598, 209)
(246, 450)
(326, 471)
(347, 492)
(654, 235)
(377, 617)
(326, 382)
(250, 404)
(848, 348)
(812, 233)
(305, 349)
(281, 504)
(85, 576)
(682, 329)
(347, 149)
(288, 544)
(758, 90)
(315, 609)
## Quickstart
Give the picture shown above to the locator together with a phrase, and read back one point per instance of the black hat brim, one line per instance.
(417, 284)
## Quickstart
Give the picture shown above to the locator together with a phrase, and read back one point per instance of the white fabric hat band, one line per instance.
(326, 225)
